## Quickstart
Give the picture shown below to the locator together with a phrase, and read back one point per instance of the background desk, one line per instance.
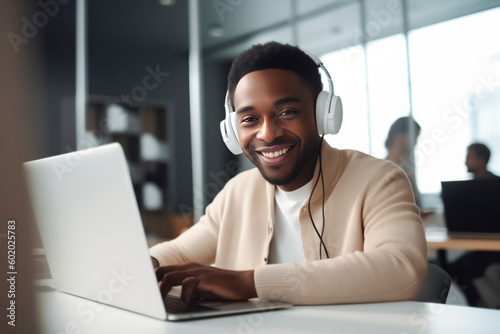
(63, 313)
(466, 244)
(437, 238)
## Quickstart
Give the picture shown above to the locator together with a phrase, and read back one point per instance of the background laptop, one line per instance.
(93, 237)
(472, 207)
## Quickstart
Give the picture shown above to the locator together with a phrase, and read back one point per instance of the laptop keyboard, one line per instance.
(175, 305)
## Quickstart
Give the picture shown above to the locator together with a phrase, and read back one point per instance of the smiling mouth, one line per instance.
(275, 154)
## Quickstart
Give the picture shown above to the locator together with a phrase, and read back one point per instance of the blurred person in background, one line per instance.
(478, 156)
(399, 148)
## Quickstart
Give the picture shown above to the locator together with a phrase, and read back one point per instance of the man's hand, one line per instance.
(199, 281)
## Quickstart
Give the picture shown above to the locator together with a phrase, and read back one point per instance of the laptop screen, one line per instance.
(472, 206)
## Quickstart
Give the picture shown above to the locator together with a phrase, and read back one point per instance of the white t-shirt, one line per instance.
(286, 244)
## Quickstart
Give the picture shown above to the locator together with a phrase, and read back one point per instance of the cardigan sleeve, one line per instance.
(390, 265)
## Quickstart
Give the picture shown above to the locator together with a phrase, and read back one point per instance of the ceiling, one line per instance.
(229, 26)
(139, 24)
(320, 25)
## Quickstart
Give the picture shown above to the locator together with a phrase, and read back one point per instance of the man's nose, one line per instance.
(270, 129)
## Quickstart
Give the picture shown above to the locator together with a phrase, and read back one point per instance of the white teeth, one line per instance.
(276, 153)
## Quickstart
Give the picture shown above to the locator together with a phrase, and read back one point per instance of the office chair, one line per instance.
(488, 286)
(436, 285)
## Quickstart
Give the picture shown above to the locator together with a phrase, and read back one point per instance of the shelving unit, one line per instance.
(146, 132)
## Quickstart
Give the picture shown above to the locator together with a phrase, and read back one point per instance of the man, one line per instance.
(398, 145)
(472, 264)
(276, 232)
(478, 156)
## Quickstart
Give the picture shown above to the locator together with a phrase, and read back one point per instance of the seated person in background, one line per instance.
(399, 150)
(478, 156)
(311, 224)
(472, 264)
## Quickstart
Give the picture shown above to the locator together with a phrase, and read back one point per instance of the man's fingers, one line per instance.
(200, 281)
(165, 287)
(172, 279)
(189, 290)
(174, 275)
(162, 271)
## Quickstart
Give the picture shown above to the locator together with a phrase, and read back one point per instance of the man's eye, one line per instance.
(248, 119)
(287, 112)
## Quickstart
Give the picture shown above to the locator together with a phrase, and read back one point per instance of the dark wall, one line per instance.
(54, 77)
(125, 37)
(116, 71)
(129, 39)
(220, 162)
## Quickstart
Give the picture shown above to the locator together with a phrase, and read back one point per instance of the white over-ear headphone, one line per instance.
(328, 113)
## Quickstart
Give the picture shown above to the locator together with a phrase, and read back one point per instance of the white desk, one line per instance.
(63, 313)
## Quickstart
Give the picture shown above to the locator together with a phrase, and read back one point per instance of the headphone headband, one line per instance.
(319, 63)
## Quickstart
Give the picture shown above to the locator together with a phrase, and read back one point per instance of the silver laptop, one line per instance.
(94, 240)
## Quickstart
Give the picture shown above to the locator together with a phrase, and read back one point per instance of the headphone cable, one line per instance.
(320, 235)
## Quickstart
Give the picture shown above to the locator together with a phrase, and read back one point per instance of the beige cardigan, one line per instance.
(373, 233)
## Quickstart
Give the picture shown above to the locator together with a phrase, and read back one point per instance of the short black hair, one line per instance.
(481, 151)
(399, 127)
(274, 55)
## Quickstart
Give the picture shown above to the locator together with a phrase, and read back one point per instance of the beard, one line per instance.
(283, 174)
(277, 177)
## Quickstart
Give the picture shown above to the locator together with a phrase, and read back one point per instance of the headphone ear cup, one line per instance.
(329, 113)
(230, 134)
(337, 115)
(321, 110)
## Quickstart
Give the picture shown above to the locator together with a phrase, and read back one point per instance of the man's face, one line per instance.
(403, 141)
(472, 161)
(276, 126)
